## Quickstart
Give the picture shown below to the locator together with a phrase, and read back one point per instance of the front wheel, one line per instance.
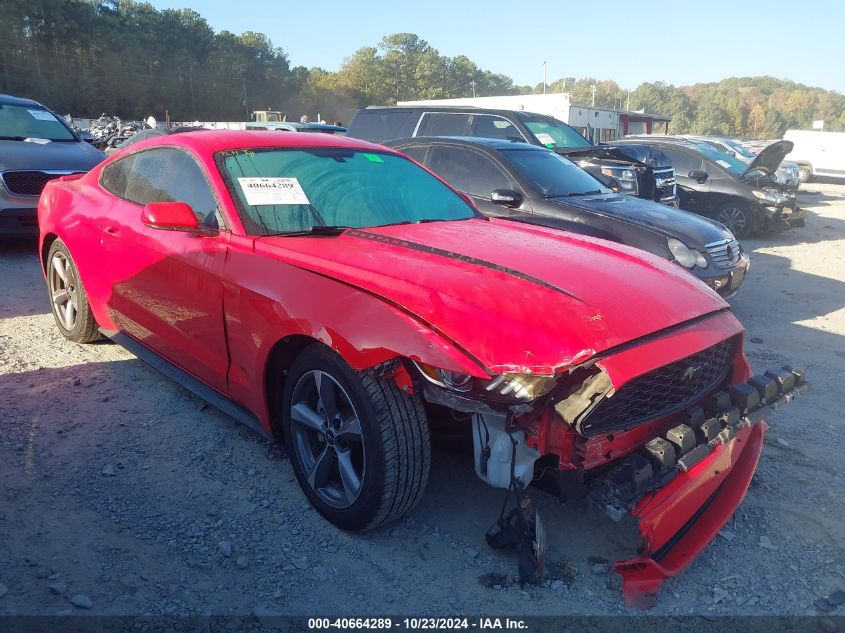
(805, 174)
(69, 300)
(359, 446)
(738, 218)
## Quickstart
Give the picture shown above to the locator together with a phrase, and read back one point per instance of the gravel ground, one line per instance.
(122, 493)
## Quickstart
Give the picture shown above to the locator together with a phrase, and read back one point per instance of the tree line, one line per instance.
(130, 59)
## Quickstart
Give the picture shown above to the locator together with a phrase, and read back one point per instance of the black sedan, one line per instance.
(532, 184)
(746, 197)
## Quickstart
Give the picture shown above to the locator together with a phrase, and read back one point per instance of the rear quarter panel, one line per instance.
(71, 210)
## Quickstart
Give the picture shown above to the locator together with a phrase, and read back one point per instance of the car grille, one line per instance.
(724, 254)
(29, 183)
(663, 391)
(664, 184)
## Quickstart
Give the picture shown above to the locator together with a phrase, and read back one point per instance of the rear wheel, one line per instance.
(805, 173)
(68, 298)
(738, 218)
(359, 446)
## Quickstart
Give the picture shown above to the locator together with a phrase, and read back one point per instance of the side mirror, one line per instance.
(85, 136)
(506, 197)
(171, 216)
(698, 175)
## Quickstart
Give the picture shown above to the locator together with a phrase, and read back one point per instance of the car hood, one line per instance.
(646, 155)
(66, 156)
(770, 158)
(516, 297)
(693, 230)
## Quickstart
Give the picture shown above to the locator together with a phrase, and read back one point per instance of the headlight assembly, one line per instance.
(627, 178)
(686, 256)
(769, 195)
(508, 387)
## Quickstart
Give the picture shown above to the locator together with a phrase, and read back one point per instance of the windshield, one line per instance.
(294, 190)
(554, 134)
(23, 122)
(729, 163)
(739, 150)
(552, 174)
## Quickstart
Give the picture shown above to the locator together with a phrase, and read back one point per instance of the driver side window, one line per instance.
(468, 171)
(171, 175)
(682, 162)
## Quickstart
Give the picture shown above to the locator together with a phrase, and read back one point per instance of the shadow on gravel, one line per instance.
(19, 260)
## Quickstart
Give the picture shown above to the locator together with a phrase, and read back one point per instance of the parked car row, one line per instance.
(335, 295)
(744, 196)
(638, 171)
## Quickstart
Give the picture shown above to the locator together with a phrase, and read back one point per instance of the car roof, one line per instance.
(478, 141)
(650, 140)
(18, 101)
(522, 114)
(221, 140)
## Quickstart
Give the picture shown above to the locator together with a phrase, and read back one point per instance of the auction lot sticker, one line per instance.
(259, 191)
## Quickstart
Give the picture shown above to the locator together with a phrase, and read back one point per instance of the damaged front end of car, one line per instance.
(667, 432)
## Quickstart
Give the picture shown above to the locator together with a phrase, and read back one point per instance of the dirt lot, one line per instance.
(119, 486)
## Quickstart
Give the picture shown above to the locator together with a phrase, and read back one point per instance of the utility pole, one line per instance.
(472, 83)
(545, 75)
(593, 88)
(628, 102)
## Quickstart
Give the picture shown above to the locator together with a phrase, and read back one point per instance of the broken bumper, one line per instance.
(705, 485)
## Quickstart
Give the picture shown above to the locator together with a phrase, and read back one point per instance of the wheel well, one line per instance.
(45, 248)
(281, 357)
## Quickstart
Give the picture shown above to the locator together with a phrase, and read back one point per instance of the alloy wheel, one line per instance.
(735, 219)
(64, 291)
(327, 438)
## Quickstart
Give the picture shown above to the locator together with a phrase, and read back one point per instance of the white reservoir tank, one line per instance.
(494, 451)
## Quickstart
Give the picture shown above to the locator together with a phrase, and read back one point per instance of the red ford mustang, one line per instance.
(334, 295)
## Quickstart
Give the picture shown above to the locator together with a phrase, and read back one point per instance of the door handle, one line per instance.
(112, 231)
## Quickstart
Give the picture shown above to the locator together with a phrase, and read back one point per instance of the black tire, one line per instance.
(68, 299)
(393, 453)
(740, 219)
(805, 174)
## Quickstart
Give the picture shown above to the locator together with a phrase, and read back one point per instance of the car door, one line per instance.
(477, 175)
(170, 297)
(692, 194)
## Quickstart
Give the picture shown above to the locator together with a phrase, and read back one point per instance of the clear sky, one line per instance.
(630, 42)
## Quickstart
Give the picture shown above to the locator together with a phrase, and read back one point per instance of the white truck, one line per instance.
(817, 153)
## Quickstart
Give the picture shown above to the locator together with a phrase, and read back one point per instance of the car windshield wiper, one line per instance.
(577, 193)
(321, 230)
(13, 138)
(426, 221)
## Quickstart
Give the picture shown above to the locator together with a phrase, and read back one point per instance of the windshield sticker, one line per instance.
(41, 115)
(723, 163)
(374, 158)
(545, 139)
(261, 191)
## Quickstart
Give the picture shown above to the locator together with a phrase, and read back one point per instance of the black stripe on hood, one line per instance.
(424, 248)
